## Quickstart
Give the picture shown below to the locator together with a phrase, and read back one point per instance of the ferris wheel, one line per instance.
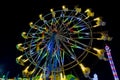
(59, 41)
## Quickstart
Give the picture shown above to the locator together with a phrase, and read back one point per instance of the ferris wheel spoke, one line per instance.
(79, 47)
(54, 20)
(61, 18)
(81, 35)
(80, 22)
(64, 20)
(84, 28)
(73, 19)
(75, 41)
(27, 43)
(60, 28)
(86, 38)
(34, 40)
(39, 39)
(58, 52)
(31, 53)
(56, 60)
(40, 28)
(38, 58)
(76, 46)
(40, 68)
(80, 31)
(71, 54)
(57, 24)
(62, 57)
(70, 18)
(38, 35)
(37, 72)
(45, 22)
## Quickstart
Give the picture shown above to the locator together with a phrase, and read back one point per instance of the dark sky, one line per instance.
(15, 18)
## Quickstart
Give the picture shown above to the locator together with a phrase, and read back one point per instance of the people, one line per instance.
(95, 77)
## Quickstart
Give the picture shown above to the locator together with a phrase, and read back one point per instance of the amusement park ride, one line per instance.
(60, 41)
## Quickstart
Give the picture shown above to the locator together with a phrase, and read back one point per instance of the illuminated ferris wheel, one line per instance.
(59, 41)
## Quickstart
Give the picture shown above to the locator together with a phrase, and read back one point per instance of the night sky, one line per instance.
(16, 16)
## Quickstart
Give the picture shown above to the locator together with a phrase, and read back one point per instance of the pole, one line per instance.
(108, 50)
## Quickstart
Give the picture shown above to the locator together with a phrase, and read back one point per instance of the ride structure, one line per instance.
(108, 51)
(59, 41)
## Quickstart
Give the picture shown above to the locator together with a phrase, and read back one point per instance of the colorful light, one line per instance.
(108, 50)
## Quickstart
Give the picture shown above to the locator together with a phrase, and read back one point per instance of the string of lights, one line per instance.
(108, 50)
